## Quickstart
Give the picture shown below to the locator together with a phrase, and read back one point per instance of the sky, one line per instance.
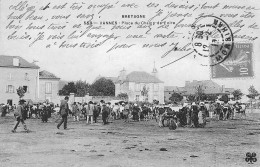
(86, 64)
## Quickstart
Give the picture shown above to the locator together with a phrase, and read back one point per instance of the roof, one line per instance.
(208, 87)
(7, 61)
(181, 89)
(229, 90)
(174, 89)
(47, 75)
(142, 77)
(171, 88)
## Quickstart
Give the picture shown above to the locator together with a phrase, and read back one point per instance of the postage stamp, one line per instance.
(238, 65)
(212, 38)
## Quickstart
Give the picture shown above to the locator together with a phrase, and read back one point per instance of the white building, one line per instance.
(49, 87)
(15, 72)
(134, 84)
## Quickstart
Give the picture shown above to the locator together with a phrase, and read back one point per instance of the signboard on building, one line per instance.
(238, 65)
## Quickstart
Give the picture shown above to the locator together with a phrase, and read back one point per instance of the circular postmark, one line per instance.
(212, 38)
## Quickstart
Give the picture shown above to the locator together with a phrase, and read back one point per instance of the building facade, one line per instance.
(208, 87)
(15, 72)
(49, 87)
(140, 86)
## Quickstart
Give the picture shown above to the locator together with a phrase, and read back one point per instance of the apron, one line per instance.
(200, 118)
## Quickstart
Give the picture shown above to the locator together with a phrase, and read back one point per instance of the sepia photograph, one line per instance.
(129, 83)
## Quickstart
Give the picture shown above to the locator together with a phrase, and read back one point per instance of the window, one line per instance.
(148, 86)
(10, 77)
(156, 87)
(141, 86)
(137, 98)
(26, 77)
(48, 87)
(131, 87)
(10, 89)
(137, 87)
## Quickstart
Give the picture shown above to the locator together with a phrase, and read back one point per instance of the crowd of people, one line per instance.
(192, 114)
(6, 108)
(188, 115)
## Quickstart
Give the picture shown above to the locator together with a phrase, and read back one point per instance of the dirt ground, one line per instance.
(120, 144)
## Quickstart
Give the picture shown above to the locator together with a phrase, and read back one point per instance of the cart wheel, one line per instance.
(173, 125)
(165, 122)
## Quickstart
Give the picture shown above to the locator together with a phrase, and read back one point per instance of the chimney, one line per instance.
(16, 62)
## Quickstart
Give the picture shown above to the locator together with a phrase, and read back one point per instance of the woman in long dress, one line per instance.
(194, 115)
(202, 115)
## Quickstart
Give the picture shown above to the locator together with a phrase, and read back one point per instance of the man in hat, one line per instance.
(19, 116)
(74, 111)
(135, 112)
(126, 112)
(218, 110)
(64, 110)
(115, 110)
(182, 115)
(194, 115)
(121, 109)
(44, 113)
(96, 111)
(188, 114)
(105, 112)
(202, 114)
(90, 112)
(161, 112)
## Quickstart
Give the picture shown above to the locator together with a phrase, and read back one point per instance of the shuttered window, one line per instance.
(156, 87)
(137, 97)
(48, 87)
(10, 89)
(137, 87)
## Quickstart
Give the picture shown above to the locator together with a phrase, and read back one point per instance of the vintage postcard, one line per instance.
(117, 73)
